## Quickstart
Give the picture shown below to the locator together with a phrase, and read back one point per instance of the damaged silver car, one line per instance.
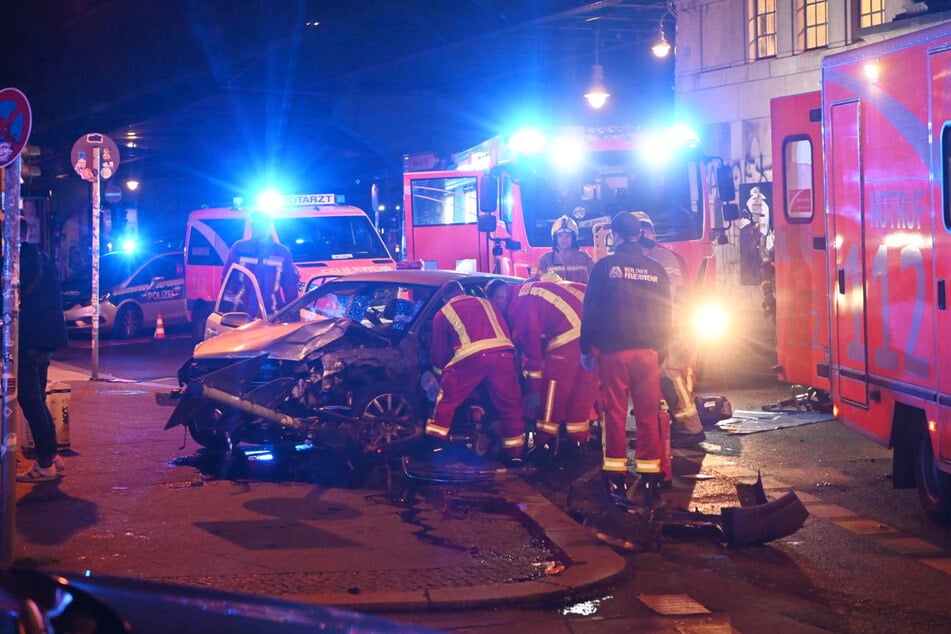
(348, 360)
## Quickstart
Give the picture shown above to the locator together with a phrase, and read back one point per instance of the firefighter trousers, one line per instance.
(683, 408)
(497, 369)
(568, 395)
(633, 375)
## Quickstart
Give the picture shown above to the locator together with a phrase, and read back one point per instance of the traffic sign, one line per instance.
(16, 118)
(82, 156)
(113, 194)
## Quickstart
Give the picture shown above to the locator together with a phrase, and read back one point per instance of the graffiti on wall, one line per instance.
(752, 167)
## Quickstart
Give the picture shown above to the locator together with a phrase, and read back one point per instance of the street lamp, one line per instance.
(597, 94)
(132, 184)
(662, 47)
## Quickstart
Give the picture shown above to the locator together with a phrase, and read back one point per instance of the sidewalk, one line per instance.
(133, 504)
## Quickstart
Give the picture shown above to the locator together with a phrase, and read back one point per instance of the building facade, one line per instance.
(733, 56)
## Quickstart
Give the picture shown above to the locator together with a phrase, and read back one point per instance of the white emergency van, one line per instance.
(327, 238)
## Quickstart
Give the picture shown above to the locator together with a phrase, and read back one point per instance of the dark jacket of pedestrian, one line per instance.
(42, 330)
(42, 326)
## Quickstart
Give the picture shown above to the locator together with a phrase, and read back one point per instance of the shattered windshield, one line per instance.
(374, 304)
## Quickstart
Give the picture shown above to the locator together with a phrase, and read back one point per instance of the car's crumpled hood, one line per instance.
(291, 341)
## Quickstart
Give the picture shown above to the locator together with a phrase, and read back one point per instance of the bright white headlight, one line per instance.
(710, 322)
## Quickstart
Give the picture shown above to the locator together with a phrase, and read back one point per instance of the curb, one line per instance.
(591, 564)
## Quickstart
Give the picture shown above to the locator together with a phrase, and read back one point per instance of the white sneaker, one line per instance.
(36, 473)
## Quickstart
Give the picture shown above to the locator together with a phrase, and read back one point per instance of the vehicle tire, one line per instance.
(389, 419)
(207, 432)
(934, 485)
(199, 317)
(128, 322)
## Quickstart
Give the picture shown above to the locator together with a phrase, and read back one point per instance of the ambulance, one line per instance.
(861, 173)
(327, 238)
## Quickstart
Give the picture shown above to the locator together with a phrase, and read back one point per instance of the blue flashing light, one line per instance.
(269, 201)
(682, 136)
(658, 147)
(655, 149)
(259, 455)
(128, 245)
(527, 141)
(566, 153)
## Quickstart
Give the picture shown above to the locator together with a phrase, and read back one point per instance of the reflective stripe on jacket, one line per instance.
(545, 316)
(465, 326)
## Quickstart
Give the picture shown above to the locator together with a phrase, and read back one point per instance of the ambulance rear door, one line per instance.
(847, 226)
(802, 296)
(938, 64)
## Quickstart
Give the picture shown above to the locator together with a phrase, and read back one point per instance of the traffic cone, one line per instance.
(159, 328)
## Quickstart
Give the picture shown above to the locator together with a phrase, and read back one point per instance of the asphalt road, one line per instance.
(867, 560)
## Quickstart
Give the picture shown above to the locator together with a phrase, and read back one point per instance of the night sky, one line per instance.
(221, 97)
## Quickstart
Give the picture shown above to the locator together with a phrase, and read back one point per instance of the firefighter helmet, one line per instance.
(564, 224)
(644, 219)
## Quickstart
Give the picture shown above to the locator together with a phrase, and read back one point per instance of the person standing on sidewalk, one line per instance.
(42, 330)
(470, 344)
(626, 321)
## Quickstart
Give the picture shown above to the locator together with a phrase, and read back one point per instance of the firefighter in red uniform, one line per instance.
(471, 344)
(566, 259)
(270, 261)
(677, 370)
(545, 318)
(627, 321)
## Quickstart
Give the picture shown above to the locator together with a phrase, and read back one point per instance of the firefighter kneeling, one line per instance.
(625, 330)
(545, 319)
(471, 344)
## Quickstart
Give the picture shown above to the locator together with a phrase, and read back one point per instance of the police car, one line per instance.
(134, 289)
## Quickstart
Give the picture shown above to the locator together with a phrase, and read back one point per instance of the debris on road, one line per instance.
(753, 421)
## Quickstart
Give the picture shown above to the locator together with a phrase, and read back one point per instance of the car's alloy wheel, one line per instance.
(128, 322)
(388, 419)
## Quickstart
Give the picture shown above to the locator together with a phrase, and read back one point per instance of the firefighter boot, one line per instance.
(616, 484)
(652, 483)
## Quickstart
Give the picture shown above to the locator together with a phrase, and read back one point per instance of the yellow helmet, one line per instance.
(564, 224)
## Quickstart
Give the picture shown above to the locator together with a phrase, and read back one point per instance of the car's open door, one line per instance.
(239, 302)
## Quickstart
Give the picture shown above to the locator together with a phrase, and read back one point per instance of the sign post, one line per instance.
(95, 157)
(15, 123)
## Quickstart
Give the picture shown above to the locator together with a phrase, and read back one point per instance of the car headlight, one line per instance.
(710, 322)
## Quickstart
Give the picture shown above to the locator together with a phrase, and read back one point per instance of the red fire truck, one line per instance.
(860, 173)
(493, 208)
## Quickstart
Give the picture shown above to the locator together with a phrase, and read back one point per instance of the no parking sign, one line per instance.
(15, 122)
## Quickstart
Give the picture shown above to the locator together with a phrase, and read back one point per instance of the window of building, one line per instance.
(815, 22)
(763, 28)
(871, 12)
